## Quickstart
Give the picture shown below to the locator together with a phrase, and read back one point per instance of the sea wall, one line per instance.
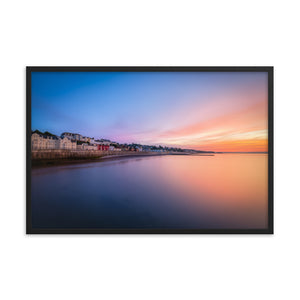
(62, 156)
(70, 154)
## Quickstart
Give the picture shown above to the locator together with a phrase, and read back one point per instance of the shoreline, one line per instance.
(51, 162)
(36, 163)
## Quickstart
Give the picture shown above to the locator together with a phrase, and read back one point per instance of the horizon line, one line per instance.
(159, 144)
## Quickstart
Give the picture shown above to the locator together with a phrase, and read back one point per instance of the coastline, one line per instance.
(102, 157)
(35, 163)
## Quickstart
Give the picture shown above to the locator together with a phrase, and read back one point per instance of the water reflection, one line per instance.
(221, 191)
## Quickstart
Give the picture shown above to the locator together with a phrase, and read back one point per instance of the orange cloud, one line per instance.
(243, 130)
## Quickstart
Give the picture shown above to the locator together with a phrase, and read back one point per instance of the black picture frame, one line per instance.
(268, 69)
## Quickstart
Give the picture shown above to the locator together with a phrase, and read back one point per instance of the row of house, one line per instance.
(45, 141)
(68, 141)
(75, 141)
(77, 137)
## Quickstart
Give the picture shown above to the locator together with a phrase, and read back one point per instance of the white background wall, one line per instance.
(157, 32)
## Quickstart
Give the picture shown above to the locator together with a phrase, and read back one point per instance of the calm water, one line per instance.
(221, 191)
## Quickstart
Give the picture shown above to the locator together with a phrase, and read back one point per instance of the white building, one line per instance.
(65, 143)
(72, 136)
(89, 147)
(44, 142)
(39, 141)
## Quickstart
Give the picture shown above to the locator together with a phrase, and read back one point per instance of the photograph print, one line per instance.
(149, 150)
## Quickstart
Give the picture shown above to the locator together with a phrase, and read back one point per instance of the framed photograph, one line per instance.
(149, 150)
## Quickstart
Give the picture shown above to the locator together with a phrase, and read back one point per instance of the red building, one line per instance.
(103, 147)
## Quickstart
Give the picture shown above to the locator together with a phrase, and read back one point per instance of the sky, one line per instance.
(217, 111)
